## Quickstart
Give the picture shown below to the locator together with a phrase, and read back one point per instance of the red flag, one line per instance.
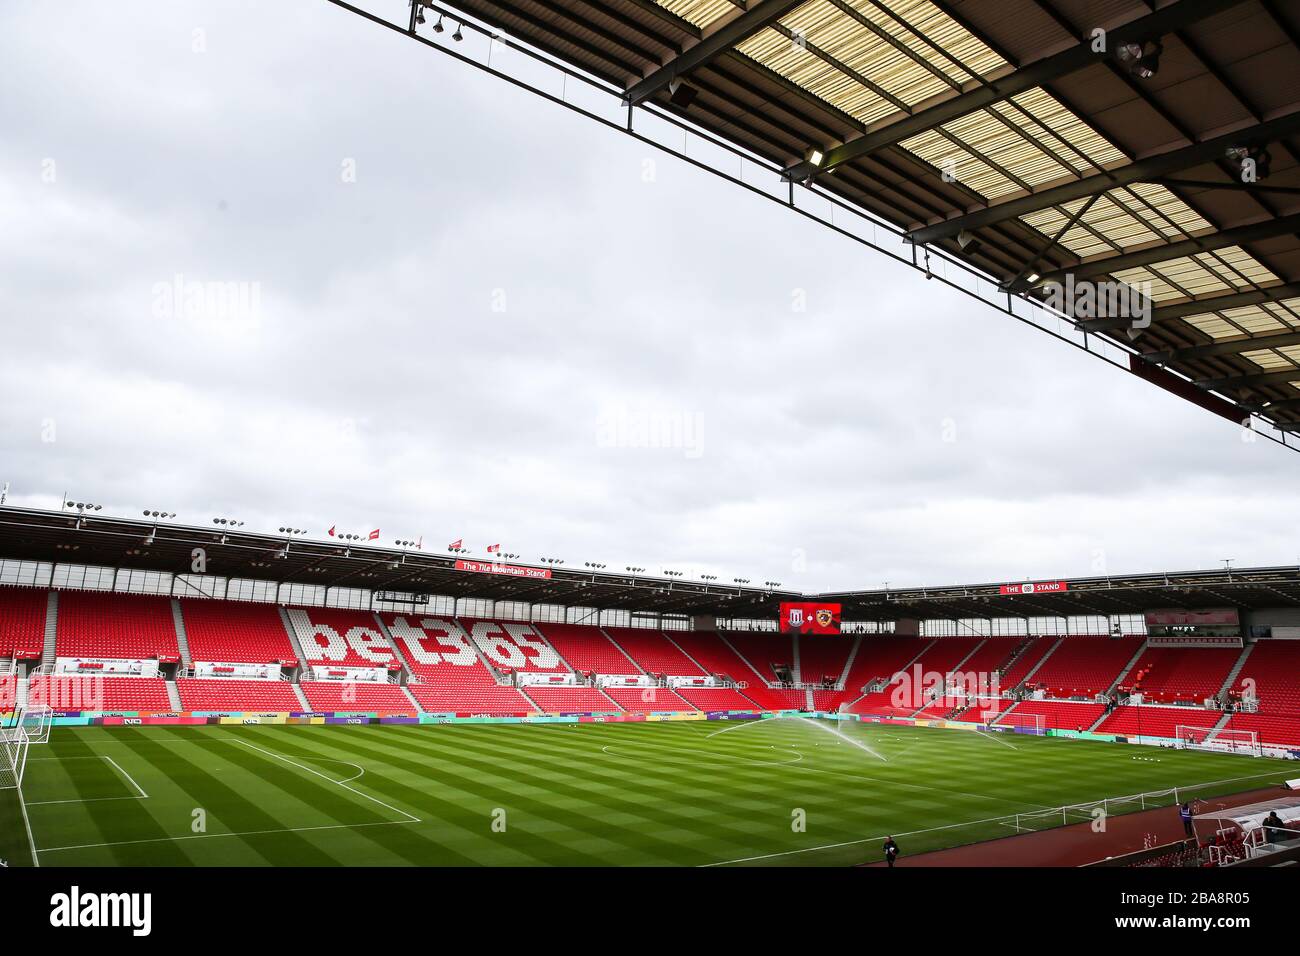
(493, 548)
(332, 530)
(374, 535)
(455, 545)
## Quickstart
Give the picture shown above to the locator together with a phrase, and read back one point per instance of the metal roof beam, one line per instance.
(1232, 300)
(1143, 170)
(730, 30)
(1233, 347)
(1173, 17)
(1280, 377)
(1267, 229)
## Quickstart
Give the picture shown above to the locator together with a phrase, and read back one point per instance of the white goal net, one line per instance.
(1224, 740)
(17, 734)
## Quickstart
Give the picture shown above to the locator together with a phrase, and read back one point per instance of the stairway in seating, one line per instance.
(1041, 661)
(51, 628)
(397, 651)
(1222, 722)
(530, 700)
(547, 641)
(668, 637)
(411, 697)
(182, 641)
(293, 638)
(1127, 667)
(174, 696)
(609, 637)
(20, 694)
(618, 708)
(848, 664)
(1231, 680)
(302, 698)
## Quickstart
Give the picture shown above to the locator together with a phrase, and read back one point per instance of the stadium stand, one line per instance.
(974, 711)
(587, 649)
(235, 633)
(1085, 665)
(1171, 674)
(716, 698)
(663, 700)
(145, 695)
(988, 660)
(22, 621)
(8, 693)
(1281, 730)
(206, 694)
(1273, 669)
(570, 700)
(513, 645)
(334, 636)
(763, 651)
(823, 657)
(115, 626)
(654, 652)
(1028, 655)
(360, 696)
(1155, 721)
(1058, 714)
(716, 656)
(450, 677)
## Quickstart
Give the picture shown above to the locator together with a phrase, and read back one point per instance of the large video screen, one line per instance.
(810, 617)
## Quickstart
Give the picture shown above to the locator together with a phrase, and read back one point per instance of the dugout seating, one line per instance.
(1086, 665)
(1274, 667)
(363, 697)
(22, 621)
(233, 632)
(115, 626)
(1155, 721)
(716, 698)
(1058, 714)
(8, 693)
(570, 700)
(237, 696)
(143, 695)
(587, 649)
(1172, 674)
(654, 652)
(336, 636)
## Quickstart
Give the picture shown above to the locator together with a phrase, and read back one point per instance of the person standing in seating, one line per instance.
(891, 851)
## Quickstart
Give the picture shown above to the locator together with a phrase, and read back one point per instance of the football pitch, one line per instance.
(789, 791)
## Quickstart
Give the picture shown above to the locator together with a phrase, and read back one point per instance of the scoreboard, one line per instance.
(810, 617)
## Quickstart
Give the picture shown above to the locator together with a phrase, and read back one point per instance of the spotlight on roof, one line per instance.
(458, 36)
(814, 156)
(1249, 163)
(1141, 59)
(681, 94)
(438, 27)
(968, 243)
(1033, 278)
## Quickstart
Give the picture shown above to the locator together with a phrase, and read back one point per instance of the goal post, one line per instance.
(1021, 723)
(26, 727)
(1224, 739)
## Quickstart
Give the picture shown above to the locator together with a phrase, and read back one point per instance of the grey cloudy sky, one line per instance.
(468, 339)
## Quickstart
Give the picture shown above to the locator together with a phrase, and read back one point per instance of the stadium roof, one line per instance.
(143, 544)
(997, 133)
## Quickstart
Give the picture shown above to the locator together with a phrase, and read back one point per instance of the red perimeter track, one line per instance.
(1076, 844)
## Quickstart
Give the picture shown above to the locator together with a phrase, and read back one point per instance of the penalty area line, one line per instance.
(410, 818)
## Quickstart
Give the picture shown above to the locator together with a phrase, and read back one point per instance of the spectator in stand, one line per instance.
(891, 851)
(1273, 827)
(1185, 814)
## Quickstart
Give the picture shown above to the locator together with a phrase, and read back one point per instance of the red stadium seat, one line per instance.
(571, 700)
(647, 700)
(22, 621)
(238, 696)
(115, 626)
(362, 697)
(1172, 674)
(587, 649)
(143, 695)
(654, 652)
(235, 633)
(1085, 665)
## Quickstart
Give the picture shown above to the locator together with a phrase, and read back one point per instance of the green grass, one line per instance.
(647, 794)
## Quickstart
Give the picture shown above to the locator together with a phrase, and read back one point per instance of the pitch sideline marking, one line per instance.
(951, 826)
(410, 818)
(31, 841)
(241, 833)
